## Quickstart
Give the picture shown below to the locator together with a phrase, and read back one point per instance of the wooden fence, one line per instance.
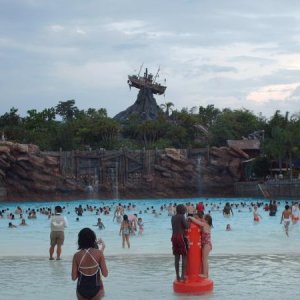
(105, 166)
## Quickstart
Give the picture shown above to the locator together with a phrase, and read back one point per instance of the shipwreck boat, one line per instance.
(146, 81)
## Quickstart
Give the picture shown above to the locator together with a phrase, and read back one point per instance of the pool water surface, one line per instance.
(253, 261)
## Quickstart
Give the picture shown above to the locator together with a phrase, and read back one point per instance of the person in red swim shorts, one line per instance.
(179, 241)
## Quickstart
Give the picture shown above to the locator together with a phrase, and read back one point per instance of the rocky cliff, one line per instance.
(26, 173)
(176, 175)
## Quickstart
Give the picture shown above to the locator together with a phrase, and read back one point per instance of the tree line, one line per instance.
(67, 127)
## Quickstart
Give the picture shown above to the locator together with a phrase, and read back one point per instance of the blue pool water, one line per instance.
(253, 261)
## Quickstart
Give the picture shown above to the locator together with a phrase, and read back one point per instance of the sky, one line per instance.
(230, 53)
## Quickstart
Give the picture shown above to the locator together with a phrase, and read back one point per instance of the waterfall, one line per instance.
(115, 181)
(96, 181)
(199, 181)
(116, 192)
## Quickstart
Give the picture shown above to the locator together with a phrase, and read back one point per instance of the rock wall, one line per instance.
(176, 175)
(28, 174)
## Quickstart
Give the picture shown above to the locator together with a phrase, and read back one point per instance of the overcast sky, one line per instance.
(233, 54)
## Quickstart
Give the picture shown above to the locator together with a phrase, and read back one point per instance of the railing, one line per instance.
(283, 188)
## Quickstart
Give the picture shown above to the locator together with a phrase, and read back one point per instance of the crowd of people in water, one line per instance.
(196, 214)
(131, 224)
(89, 262)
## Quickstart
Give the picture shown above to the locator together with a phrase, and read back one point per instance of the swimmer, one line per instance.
(227, 210)
(100, 224)
(141, 226)
(133, 220)
(79, 210)
(256, 215)
(125, 231)
(171, 210)
(32, 215)
(190, 209)
(23, 223)
(266, 207)
(18, 210)
(179, 241)
(11, 225)
(100, 244)
(119, 212)
(228, 227)
(295, 213)
(87, 266)
(272, 208)
(206, 225)
(200, 207)
(57, 237)
(285, 218)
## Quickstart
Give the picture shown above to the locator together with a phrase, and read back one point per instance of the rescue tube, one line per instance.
(194, 283)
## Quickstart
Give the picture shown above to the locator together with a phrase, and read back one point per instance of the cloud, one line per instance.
(279, 92)
(217, 69)
(236, 54)
(128, 27)
(92, 74)
(252, 59)
(56, 28)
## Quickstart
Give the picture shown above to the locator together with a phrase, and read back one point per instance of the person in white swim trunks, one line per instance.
(286, 219)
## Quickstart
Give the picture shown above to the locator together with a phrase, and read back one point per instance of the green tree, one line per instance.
(167, 107)
(95, 129)
(233, 124)
(208, 115)
(67, 110)
(11, 125)
(292, 140)
(187, 121)
(41, 128)
(282, 138)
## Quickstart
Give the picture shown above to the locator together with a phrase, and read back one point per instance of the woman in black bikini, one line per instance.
(87, 267)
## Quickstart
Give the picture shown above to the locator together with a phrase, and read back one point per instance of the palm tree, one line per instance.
(167, 107)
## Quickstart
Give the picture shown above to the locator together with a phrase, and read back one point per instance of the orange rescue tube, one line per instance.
(194, 283)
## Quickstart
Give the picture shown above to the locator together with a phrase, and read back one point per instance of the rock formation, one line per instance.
(26, 172)
(145, 106)
(175, 175)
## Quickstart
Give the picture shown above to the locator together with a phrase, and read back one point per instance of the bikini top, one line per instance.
(80, 268)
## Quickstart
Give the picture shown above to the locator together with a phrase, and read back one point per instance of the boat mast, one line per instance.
(140, 69)
(156, 75)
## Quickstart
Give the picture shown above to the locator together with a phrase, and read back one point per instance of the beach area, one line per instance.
(118, 118)
(256, 260)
